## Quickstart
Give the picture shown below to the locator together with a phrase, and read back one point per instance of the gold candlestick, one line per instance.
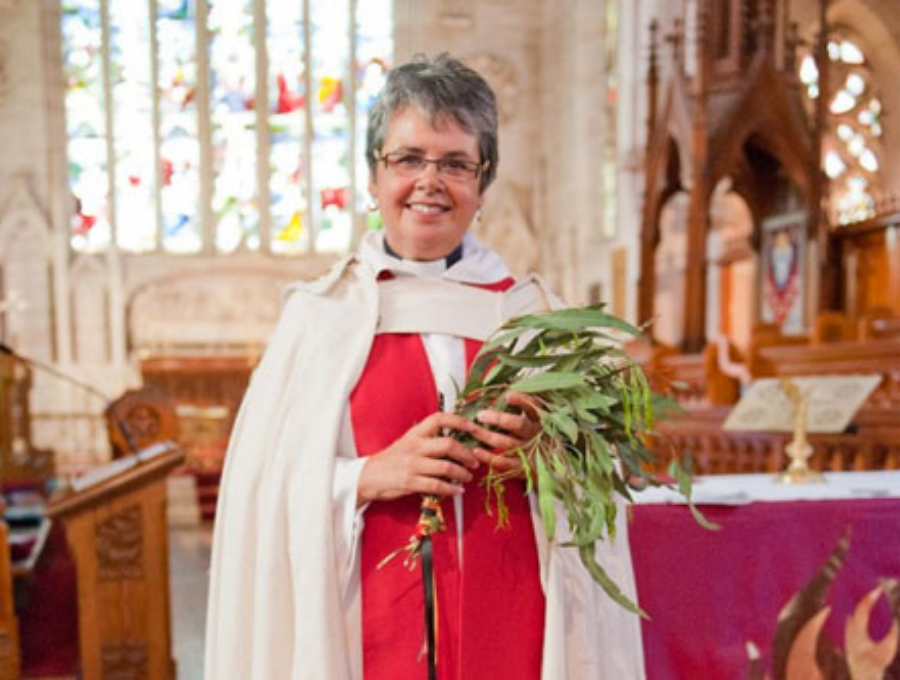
(799, 450)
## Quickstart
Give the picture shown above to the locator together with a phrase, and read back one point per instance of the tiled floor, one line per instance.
(189, 552)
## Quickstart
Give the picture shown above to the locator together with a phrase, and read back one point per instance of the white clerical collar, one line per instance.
(423, 268)
(477, 265)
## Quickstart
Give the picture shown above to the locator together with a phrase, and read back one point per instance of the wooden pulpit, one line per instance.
(115, 524)
(20, 460)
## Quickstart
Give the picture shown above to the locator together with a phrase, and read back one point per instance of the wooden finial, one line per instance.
(703, 25)
(766, 26)
(791, 43)
(652, 80)
(675, 38)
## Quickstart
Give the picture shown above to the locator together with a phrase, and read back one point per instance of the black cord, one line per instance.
(430, 623)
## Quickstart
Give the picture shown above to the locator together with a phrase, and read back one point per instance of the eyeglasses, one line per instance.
(410, 163)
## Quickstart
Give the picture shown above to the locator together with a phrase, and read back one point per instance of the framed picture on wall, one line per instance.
(783, 273)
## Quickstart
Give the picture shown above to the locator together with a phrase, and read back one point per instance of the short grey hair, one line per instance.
(438, 87)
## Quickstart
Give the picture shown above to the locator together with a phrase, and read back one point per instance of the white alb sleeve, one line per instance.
(347, 519)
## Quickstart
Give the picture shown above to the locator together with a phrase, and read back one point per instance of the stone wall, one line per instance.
(500, 39)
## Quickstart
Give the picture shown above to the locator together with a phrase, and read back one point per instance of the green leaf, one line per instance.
(589, 560)
(480, 365)
(576, 319)
(568, 363)
(503, 337)
(598, 401)
(683, 476)
(499, 374)
(600, 452)
(626, 411)
(526, 466)
(548, 380)
(622, 488)
(520, 361)
(564, 424)
(545, 497)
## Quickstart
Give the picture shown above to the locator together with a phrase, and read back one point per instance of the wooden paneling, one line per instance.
(20, 460)
(871, 266)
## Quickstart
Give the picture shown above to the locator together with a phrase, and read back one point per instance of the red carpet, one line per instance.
(48, 619)
(207, 491)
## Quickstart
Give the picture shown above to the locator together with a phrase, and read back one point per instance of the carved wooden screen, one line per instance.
(206, 393)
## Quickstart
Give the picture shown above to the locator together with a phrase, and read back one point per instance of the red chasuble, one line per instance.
(490, 605)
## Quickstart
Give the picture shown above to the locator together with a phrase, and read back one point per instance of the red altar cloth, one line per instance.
(710, 593)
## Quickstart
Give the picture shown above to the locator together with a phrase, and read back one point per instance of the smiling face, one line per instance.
(426, 215)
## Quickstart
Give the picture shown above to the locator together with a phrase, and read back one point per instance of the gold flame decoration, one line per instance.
(802, 653)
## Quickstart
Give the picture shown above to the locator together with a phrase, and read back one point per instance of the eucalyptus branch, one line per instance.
(596, 411)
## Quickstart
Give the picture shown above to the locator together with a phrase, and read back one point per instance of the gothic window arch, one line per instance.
(853, 143)
(220, 126)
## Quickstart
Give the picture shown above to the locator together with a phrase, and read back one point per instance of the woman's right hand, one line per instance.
(424, 461)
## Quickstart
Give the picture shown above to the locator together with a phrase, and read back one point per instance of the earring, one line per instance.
(372, 205)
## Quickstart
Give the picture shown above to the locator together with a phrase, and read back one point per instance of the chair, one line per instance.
(140, 418)
(767, 335)
(878, 323)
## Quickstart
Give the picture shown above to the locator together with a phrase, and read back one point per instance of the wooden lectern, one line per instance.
(115, 523)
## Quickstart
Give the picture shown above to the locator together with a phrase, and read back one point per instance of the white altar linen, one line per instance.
(750, 488)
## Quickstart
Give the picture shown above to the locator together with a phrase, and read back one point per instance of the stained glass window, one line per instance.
(288, 159)
(179, 144)
(220, 125)
(82, 32)
(132, 125)
(852, 148)
(232, 71)
(373, 43)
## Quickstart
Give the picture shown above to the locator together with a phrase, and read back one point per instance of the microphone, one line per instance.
(87, 387)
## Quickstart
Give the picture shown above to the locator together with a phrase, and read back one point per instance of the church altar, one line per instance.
(717, 600)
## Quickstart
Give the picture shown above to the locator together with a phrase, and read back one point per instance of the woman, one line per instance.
(346, 424)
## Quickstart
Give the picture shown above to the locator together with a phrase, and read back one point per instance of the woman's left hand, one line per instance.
(516, 430)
